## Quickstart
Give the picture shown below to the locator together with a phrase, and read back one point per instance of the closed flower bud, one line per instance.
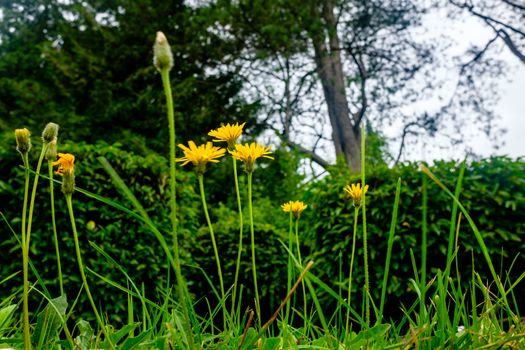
(50, 132)
(162, 55)
(23, 140)
(51, 153)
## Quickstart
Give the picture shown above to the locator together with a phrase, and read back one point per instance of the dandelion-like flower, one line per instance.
(200, 155)
(23, 140)
(66, 168)
(296, 207)
(356, 193)
(227, 133)
(248, 153)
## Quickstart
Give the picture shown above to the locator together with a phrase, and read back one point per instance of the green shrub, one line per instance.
(124, 238)
(493, 193)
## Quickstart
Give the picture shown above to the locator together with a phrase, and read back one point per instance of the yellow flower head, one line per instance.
(296, 207)
(200, 155)
(23, 140)
(227, 133)
(248, 153)
(356, 193)
(66, 164)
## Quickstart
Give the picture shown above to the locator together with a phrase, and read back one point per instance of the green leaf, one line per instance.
(49, 322)
(6, 317)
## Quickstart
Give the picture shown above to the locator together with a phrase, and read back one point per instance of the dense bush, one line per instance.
(493, 193)
(124, 238)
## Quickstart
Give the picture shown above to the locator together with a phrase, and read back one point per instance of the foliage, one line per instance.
(87, 66)
(493, 192)
(119, 235)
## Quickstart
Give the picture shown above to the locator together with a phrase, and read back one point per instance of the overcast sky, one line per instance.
(510, 108)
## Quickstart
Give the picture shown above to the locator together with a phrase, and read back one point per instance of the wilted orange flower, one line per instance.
(66, 164)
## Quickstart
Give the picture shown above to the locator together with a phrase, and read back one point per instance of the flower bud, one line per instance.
(50, 132)
(51, 153)
(23, 140)
(162, 55)
(68, 183)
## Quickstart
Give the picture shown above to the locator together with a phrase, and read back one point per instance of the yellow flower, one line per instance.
(66, 164)
(296, 207)
(23, 141)
(248, 153)
(227, 133)
(356, 193)
(200, 155)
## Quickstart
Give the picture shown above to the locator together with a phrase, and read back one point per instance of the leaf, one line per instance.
(6, 317)
(272, 343)
(49, 322)
(86, 335)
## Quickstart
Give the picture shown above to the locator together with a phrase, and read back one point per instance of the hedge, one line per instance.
(493, 193)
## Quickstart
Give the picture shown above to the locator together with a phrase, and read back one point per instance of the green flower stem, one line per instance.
(365, 246)
(239, 252)
(424, 229)
(53, 221)
(82, 273)
(252, 234)
(300, 263)
(25, 259)
(33, 195)
(290, 267)
(356, 212)
(181, 286)
(214, 243)
(173, 199)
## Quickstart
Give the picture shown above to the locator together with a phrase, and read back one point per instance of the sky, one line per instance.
(510, 107)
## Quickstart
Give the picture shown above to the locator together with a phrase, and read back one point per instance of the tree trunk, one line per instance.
(346, 133)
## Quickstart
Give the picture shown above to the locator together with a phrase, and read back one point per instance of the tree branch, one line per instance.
(510, 44)
(513, 4)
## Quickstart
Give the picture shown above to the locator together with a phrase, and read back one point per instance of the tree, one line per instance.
(353, 51)
(506, 19)
(87, 65)
(355, 61)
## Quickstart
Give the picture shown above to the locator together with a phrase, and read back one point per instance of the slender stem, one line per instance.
(181, 286)
(82, 273)
(53, 221)
(290, 253)
(365, 246)
(239, 252)
(254, 269)
(25, 259)
(300, 263)
(422, 313)
(356, 212)
(173, 199)
(33, 195)
(214, 243)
